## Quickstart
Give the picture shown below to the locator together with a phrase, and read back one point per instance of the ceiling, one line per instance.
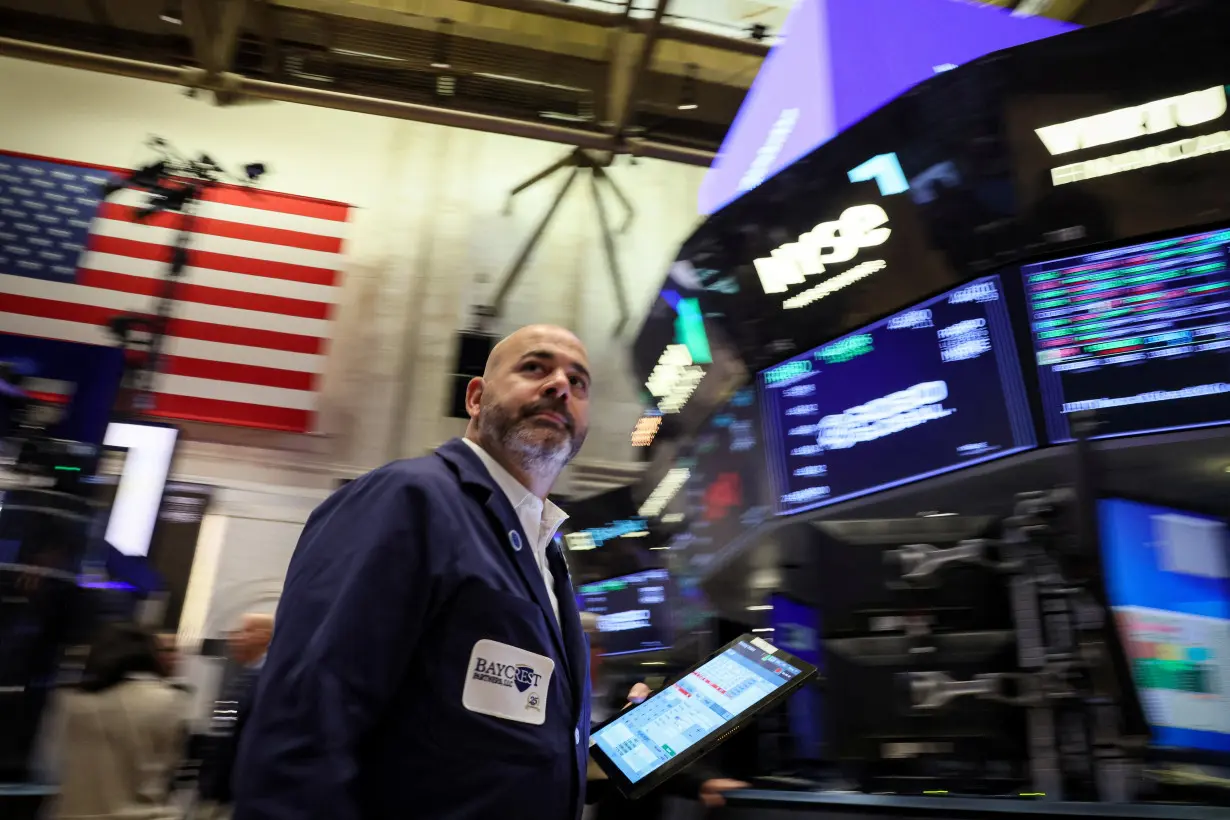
(668, 74)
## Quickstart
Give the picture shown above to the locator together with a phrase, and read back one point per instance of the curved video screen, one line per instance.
(933, 388)
(1139, 334)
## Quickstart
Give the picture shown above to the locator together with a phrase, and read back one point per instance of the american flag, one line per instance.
(247, 340)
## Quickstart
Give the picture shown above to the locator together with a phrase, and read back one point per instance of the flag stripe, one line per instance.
(242, 373)
(245, 215)
(85, 333)
(112, 301)
(205, 226)
(206, 243)
(230, 412)
(181, 328)
(282, 203)
(171, 384)
(207, 277)
(216, 261)
(205, 295)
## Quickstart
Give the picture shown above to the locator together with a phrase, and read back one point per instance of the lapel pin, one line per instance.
(514, 538)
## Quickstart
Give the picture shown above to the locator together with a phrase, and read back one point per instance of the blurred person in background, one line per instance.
(699, 781)
(119, 734)
(246, 646)
(428, 659)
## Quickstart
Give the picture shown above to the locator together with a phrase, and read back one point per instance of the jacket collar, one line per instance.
(469, 468)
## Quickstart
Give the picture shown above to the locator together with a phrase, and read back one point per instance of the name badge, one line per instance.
(507, 682)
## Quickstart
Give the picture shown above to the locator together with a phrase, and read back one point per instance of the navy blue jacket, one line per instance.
(358, 714)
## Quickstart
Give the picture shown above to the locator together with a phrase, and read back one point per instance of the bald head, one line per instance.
(248, 643)
(530, 409)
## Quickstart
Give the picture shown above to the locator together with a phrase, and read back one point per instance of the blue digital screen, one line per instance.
(634, 611)
(1168, 579)
(1138, 334)
(933, 388)
(796, 628)
(647, 736)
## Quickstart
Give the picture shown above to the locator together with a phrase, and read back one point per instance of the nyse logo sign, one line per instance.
(1124, 124)
(829, 243)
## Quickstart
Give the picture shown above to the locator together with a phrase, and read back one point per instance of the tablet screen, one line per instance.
(690, 710)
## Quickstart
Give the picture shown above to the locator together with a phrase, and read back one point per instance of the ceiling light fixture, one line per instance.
(760, 608)
(172, 12)
(367, 55)
(687, 93)
(764, 629)
(441, 59)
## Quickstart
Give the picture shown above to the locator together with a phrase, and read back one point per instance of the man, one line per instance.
(246, 646)
(429, 659)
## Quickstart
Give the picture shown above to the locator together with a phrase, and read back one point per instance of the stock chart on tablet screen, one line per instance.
(1139, 334)
(933, 388)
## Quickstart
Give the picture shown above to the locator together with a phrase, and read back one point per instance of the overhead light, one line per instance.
(764, 629)
(687, 92)
(563, 117)
(662, 494)
(936, 514)
(653, 663)
(441, 58)
(760, 608)
(367, 55)
(172, 12)
(508, 78)
(640, 534)
(651, 549)
(646, 428)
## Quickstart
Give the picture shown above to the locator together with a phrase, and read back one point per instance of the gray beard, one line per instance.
(534, 455)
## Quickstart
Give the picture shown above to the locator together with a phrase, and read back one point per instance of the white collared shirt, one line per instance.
(539, 519)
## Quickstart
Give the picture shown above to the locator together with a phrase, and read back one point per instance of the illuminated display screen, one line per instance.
(633, 611)
(686, 713)
(1168, 580)
(815, 83)
(933, 388)
(725, 492)
(1139, 334)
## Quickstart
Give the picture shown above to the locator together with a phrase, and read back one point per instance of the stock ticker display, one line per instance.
(1140, 334)
(933, 388)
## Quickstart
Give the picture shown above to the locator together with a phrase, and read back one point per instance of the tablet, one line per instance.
(647, 744)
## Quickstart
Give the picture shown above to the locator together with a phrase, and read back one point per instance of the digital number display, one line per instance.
(930, 389)
(1139, 334)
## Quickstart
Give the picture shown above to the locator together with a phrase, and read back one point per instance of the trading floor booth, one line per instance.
(992, 317)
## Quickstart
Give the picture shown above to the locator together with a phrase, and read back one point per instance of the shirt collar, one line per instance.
(551, 515)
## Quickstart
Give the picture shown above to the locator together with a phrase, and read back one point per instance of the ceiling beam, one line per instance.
(261, 89)
(623, 106)
(214, 26)
(577, 14)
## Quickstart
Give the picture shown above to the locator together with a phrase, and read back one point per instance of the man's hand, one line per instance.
(638, 693)
(711, 791)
